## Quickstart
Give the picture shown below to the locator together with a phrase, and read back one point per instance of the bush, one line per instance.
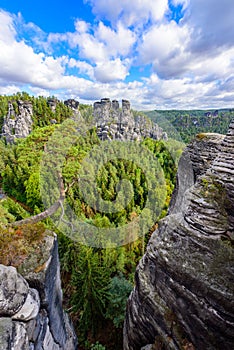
(17, 243)
(97, 346)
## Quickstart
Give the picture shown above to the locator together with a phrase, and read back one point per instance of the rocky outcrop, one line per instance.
(183, 298)
(114, 123)
(18, 124)
(52, 103)
(73, 104)
(195, 161)
(31, 314)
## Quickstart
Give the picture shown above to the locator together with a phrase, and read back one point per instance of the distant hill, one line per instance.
(188, 123)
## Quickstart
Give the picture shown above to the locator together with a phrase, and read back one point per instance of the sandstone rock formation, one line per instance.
(183, 298)
(52, 103)
(31, 314)
(114, 123)
(73, 104)
(18, 125)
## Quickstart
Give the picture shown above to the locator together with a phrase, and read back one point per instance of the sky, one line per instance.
(159, 54)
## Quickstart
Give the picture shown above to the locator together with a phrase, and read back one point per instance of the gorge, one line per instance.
(183, 294)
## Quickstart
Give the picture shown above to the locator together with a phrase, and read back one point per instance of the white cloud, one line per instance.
(83, 67)
(7, 32)
(98, 44)
(106, 72)
(20, 64)
(39, 91)
(130, 13)
(8, 89)
(165, 47)
(191, 62)
(212, 24)
(81, 26)
(216, 67)
(89, 47)
(184, 93)
(117, 42)
(102, 49)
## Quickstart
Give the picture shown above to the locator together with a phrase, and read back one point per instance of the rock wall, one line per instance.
(31, 313)
(18, 125)
(183, 297)
(114, 123)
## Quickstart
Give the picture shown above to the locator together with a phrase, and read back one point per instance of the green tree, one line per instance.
(119, 289)
(89, 280)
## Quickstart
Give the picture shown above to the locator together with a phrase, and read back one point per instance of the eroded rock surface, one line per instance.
(31, 313)
(115, 123)
(183, 298)
(73, 104)
(13, 291)
(18, 125)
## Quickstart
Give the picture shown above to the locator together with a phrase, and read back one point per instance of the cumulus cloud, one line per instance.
(20, 64)
(177, 92)
(117, 42)
(212, 25)
(8, 89)
(111, 70)
(188, 64)
(7, 32)
(103, 50)
(83, 67)
(200, 46)
(99, 43)
(130, 13)
(217, 67)
(165, 47)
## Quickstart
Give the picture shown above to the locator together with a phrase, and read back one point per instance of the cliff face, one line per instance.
(18, 125)
(120, 124)
(18, 122)
(183, 298)
(31, 314)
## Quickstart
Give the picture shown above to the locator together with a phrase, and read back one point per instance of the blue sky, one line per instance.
(159, 54)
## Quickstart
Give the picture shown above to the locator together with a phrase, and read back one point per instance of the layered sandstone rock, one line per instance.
(183, 298)
(31, 313)
(18, 125)
(114, 123)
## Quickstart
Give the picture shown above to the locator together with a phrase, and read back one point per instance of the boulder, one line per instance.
(30, 308)
(13, 291)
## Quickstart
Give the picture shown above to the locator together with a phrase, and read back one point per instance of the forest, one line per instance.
(188, 123)
(96, 279)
